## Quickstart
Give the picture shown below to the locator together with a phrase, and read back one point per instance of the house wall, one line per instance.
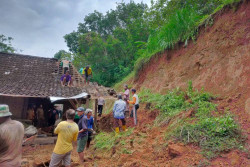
(17, 105)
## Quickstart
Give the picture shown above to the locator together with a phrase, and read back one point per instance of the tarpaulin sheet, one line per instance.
(82, 95)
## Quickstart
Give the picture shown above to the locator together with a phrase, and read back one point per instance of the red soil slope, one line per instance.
(219, 61)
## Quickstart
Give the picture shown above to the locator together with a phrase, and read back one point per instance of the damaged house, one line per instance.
(29, 80)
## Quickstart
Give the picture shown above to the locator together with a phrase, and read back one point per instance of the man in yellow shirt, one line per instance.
(87, 74)
(67, 133)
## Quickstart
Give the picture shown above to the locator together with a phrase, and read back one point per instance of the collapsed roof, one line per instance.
(31, 76)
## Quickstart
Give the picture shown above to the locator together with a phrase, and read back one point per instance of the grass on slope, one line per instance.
(119, 86)
(180, 27)
(214, 134)
(106, 141)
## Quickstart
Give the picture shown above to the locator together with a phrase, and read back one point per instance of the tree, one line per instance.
(107, 41)
(63, 54)
(5, 44)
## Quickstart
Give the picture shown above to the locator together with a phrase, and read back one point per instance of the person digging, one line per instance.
(118, 113)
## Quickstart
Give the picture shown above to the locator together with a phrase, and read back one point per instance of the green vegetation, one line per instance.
(63, 54)
(106, 141)
(180, 24)
(126, 38)
(107, 41)
(5, 44)
(176, 101)
(212, 132)
(119, 86)
(108, 107)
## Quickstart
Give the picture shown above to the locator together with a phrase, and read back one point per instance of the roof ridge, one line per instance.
(18, 54)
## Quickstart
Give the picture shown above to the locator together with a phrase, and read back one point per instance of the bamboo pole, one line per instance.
(95, 116)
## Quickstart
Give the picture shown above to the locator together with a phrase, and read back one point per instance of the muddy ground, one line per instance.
(148, 148)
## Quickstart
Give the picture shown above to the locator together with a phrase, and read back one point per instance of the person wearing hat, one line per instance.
(83, 134)
(118, 113)
(77, 117)
(11, 139)
(90, 119)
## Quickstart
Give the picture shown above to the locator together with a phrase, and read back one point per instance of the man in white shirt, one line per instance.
(65, 65)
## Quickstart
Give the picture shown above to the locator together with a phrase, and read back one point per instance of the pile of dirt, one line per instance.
(105, 123)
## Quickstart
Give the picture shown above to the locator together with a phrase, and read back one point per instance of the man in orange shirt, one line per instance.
(135, 103)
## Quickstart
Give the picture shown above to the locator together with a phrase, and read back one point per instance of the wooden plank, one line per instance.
(41, 141)
(87, 103)
(78, 104)
(95, 116)
(73, 104)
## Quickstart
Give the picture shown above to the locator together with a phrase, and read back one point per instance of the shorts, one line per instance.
(81, 143)
(56, 159)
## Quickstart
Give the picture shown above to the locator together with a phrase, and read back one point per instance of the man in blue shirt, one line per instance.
(90, 125)
(118, 112)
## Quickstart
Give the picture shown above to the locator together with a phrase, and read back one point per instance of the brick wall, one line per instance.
(17, 106)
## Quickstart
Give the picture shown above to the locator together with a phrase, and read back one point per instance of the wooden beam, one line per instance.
(73, 104)
(87, 103)
(95, 116)
(78, 104)
(41, 141)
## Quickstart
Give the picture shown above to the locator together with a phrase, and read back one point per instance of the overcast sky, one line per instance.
(38, 26)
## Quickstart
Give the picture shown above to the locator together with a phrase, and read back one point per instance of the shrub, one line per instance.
(213, 134)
